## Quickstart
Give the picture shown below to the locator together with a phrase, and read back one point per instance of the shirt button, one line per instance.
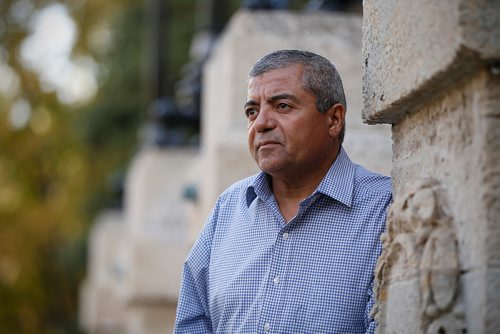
(276, 280)
(285, 236)
(267, 327)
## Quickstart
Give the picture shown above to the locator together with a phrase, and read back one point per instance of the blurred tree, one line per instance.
(61, 159)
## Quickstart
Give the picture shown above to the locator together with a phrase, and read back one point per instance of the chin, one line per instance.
(270, 168)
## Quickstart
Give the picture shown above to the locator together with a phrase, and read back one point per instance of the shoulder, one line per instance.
(233, 197)
(237, 189)
(229, 202)
(370, 183)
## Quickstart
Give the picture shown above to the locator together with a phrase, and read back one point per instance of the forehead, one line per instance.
(288, 77)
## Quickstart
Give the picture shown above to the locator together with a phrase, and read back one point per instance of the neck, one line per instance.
(290, 190)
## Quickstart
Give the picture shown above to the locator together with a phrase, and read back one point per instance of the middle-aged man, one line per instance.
(292, 249)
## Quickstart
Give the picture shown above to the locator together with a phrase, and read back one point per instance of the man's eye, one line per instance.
(283, 106)
(251, 113)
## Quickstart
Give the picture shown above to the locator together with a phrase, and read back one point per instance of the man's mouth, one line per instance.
(266, 143)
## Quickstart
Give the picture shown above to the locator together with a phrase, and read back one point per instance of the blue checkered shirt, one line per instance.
(250, 272)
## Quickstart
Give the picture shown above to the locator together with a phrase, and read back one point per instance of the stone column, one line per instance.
(156, 237)
(102, 309)
(136, 256)
(431, 68)
(249, 36)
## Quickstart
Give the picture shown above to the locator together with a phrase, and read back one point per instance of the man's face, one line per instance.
(287, 135)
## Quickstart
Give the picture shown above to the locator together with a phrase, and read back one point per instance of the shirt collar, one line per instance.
(338, 182)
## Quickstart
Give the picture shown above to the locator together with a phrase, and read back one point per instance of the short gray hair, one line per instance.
(319, 76)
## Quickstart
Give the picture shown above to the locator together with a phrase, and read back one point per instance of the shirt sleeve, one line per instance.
(193, 314)
(370, 323)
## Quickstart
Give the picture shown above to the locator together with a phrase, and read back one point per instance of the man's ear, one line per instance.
(336, 117)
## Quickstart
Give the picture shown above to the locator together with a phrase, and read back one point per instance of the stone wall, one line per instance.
(431, 69)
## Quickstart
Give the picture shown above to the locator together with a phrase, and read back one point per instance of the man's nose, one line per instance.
(265, 120)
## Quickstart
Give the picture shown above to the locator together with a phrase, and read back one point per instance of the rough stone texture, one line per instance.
(456, 141)
(481, 300)
(418, 271)
(414, 50)
(249, 36)
(431, 68)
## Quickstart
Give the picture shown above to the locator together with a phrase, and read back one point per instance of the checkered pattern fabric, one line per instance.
(250, 272)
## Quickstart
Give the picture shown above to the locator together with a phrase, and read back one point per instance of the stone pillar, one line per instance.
(102, 309)
(249, 36)
(431, 68)
(157, 237)
(136, 256)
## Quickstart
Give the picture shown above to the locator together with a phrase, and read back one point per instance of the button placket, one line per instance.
(273, 295)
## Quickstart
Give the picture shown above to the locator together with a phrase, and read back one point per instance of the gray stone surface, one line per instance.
(414, 50)
(431, 69)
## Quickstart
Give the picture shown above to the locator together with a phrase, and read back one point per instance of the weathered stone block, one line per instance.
(455, 140)
(403, 301)
(482, 300)
(101, 304)
(154, 203)
(414, 50)
(417, 275)
(155, 269)
(157, 223)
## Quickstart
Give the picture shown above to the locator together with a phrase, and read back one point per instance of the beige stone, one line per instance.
(419, 246)
(431, 69)
(454, 141)
(481, 300)
(414, 50)
(154, 203)
(155, 268)
(156, 238)
(150, 319)
(102, 308)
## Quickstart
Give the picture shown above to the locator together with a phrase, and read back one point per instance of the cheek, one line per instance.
(250, 138)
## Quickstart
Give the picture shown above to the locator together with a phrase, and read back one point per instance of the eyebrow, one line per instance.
(251, 103)
(272, 99)
(283, 96)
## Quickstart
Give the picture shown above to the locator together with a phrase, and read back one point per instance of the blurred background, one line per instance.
(83, 84)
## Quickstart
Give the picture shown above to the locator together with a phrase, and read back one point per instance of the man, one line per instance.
(292, 249)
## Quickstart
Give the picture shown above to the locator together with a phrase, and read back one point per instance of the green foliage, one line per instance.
(65, 164)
